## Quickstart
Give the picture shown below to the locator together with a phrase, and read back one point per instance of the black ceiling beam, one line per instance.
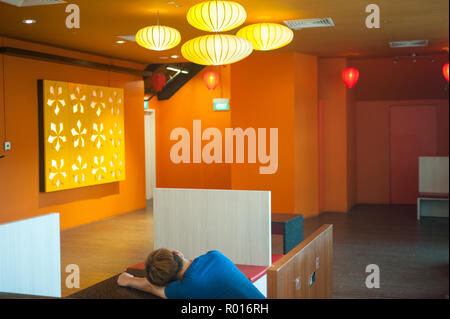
(71, 61)
(181, 79)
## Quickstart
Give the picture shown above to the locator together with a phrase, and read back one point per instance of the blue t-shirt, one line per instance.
(213, 276)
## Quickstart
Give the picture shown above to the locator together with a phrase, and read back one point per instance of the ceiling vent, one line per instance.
(31, 3)
(408, 44)
(309, 23)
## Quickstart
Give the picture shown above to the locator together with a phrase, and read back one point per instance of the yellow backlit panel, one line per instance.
(82, 135)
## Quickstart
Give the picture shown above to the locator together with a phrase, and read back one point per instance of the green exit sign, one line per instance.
(221, 104)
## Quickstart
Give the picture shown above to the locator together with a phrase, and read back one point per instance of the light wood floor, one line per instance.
(413, 256)
(106, 248)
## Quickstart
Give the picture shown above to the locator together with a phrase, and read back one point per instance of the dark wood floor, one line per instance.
(413, 256)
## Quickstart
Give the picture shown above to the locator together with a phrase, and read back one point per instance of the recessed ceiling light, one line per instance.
(28, 21)
(178, 6)
(171, 2)
(175, 56)
(163, 57)
(120, 41)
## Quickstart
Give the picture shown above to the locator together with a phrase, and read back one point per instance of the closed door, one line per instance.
(413, 134)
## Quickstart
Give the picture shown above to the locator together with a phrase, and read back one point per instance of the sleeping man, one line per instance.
(210, 276)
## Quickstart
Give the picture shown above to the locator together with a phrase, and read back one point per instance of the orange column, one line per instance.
(306, 136)
(337, 139)
(262, 89)
(279, 90)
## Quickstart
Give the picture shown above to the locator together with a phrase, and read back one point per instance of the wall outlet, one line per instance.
(7, 146)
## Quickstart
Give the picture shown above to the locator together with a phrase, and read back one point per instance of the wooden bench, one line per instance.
(432, 205)
(432, 199)
(306, 272)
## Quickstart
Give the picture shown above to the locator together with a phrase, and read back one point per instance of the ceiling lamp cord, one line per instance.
(159, 28)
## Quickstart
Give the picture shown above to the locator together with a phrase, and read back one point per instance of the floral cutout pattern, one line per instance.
(56, 137)
(56, 98)
(78, 169)
(78, 100)
(98, 102)
(83, 135)
(78, 133)
(57, 173)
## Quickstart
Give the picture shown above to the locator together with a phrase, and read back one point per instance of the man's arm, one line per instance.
(127, 280)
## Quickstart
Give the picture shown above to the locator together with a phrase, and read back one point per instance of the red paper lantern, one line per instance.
(350, 77)
(158, 81)
(211, 79)
(445, 71)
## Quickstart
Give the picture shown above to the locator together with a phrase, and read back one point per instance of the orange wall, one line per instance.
(19, 170)
(373, 148)
(192, 102)
(337, 164)
(2, 109)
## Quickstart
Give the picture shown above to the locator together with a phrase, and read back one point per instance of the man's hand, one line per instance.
(127, 280)
(124, 279)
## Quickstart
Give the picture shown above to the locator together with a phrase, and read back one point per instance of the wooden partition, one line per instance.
(195, 221)
(433, 174)
(306, 272)
(30, 262)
